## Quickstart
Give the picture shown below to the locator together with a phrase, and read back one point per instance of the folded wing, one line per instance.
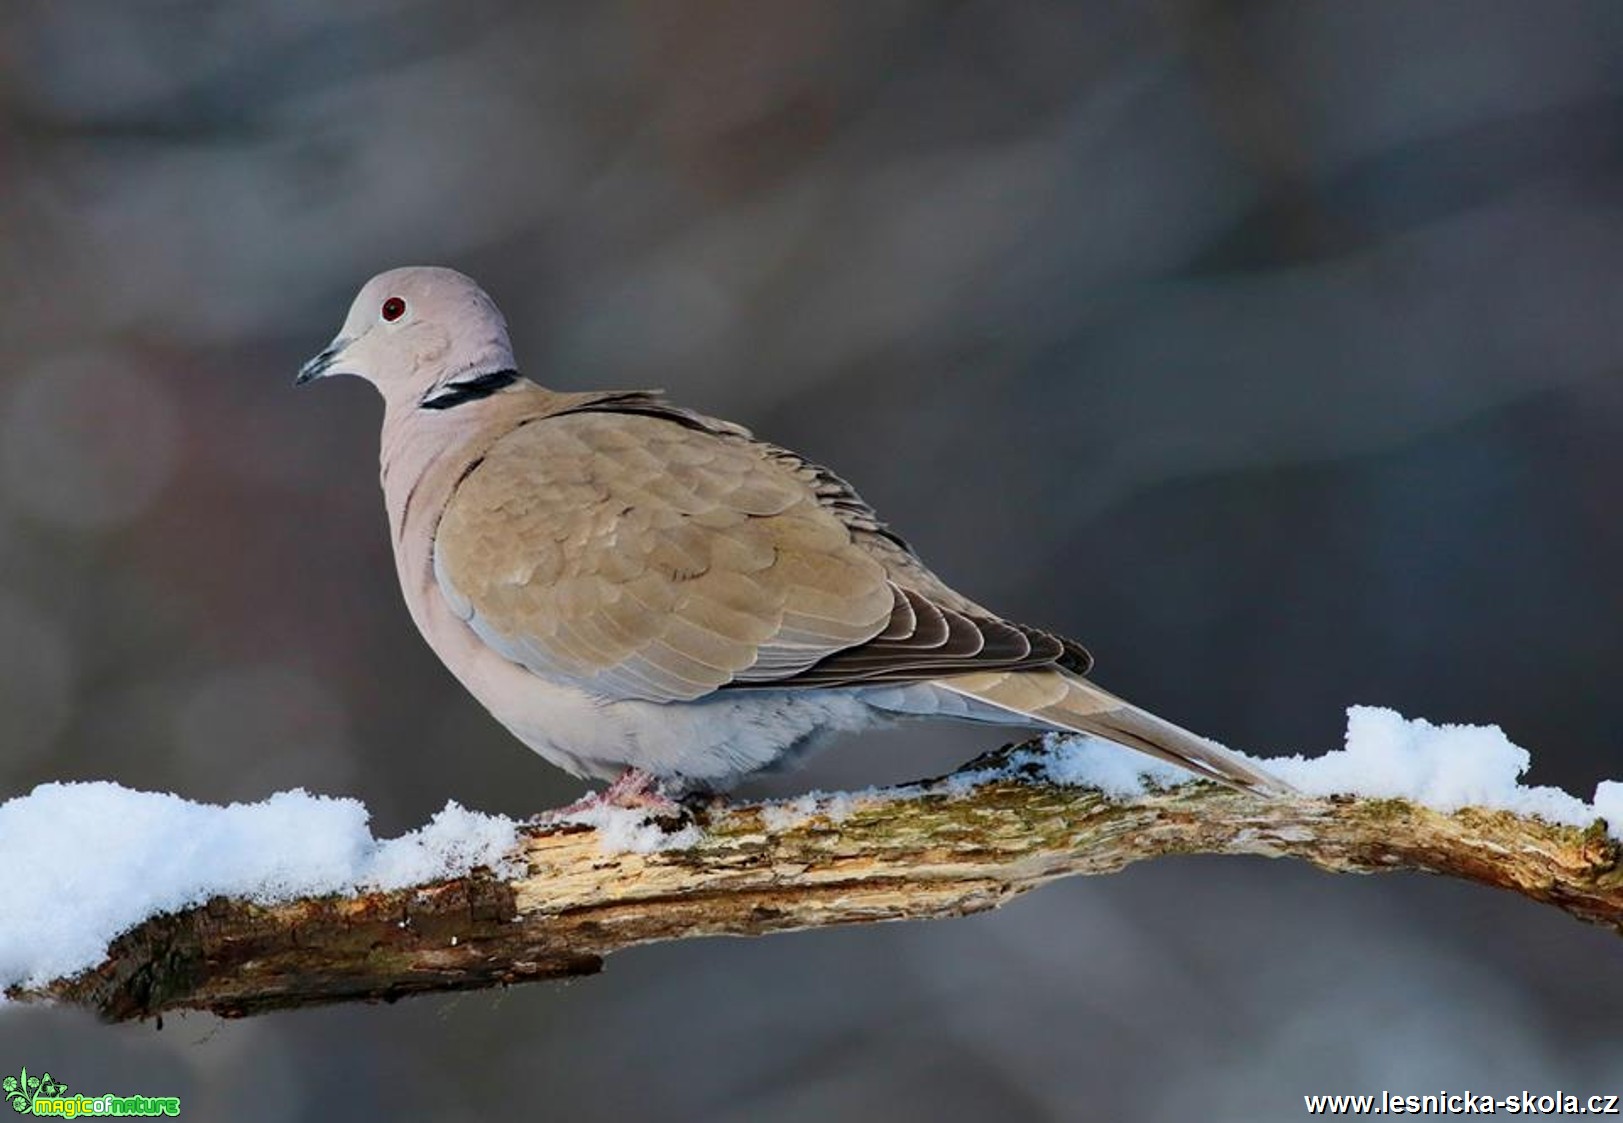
(643, 552)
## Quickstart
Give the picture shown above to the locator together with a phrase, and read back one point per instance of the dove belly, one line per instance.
(711, 742)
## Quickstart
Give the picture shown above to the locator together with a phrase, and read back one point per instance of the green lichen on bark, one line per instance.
(942, 848)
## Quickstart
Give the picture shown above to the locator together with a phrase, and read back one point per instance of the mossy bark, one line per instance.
(940, 849)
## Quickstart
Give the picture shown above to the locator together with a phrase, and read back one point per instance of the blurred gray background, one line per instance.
(1294, 327)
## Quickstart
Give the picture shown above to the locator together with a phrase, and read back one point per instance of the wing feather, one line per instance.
(642, 551)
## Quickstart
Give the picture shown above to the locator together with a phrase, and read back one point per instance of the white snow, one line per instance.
(87, 861)
(784, 814)
(1609, 805)
(1105, 765)
(1387, 756)
(622, 829)
(453, 842)
(779, 815)
(1442, 766)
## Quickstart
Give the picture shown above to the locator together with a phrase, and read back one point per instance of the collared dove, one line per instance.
(644, 594)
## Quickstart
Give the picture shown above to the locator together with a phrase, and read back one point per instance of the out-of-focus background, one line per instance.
(1295, 327)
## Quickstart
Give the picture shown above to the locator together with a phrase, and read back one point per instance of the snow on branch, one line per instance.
(149, 903)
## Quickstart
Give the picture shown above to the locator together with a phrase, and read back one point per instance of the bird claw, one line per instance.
(633, 790)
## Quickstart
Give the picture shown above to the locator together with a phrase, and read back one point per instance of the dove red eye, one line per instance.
(393, 309)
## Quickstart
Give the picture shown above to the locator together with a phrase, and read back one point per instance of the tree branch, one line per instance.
(950, 847)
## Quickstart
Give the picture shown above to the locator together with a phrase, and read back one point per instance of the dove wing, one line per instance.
(642, 551)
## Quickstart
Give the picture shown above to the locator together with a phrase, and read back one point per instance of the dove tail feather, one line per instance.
(1068, 702)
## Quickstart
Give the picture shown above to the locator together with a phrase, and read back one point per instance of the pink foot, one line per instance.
(634, 790)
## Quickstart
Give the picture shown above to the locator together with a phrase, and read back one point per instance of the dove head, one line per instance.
(421, 335)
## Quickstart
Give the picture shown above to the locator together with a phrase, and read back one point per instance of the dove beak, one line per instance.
(322, 364)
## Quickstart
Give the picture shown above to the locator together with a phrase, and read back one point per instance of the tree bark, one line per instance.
(958, 845)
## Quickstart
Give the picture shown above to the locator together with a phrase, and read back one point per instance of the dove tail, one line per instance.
(1069, 702)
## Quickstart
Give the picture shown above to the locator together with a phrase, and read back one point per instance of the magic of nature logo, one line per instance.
(45, 1095)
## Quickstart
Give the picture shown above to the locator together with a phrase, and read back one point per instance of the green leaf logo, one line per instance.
(21, 1090)
(16, 1089)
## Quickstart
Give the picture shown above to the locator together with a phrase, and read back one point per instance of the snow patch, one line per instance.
(87, 861)
(628, 830)
(1105, 765)
(1386, 756)
(1441, 766)
(836, 807)
(453, 842)
(1609, 805)
(785, 814)
(1074, 760)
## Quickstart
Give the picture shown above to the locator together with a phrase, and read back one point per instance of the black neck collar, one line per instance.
(453, 394)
